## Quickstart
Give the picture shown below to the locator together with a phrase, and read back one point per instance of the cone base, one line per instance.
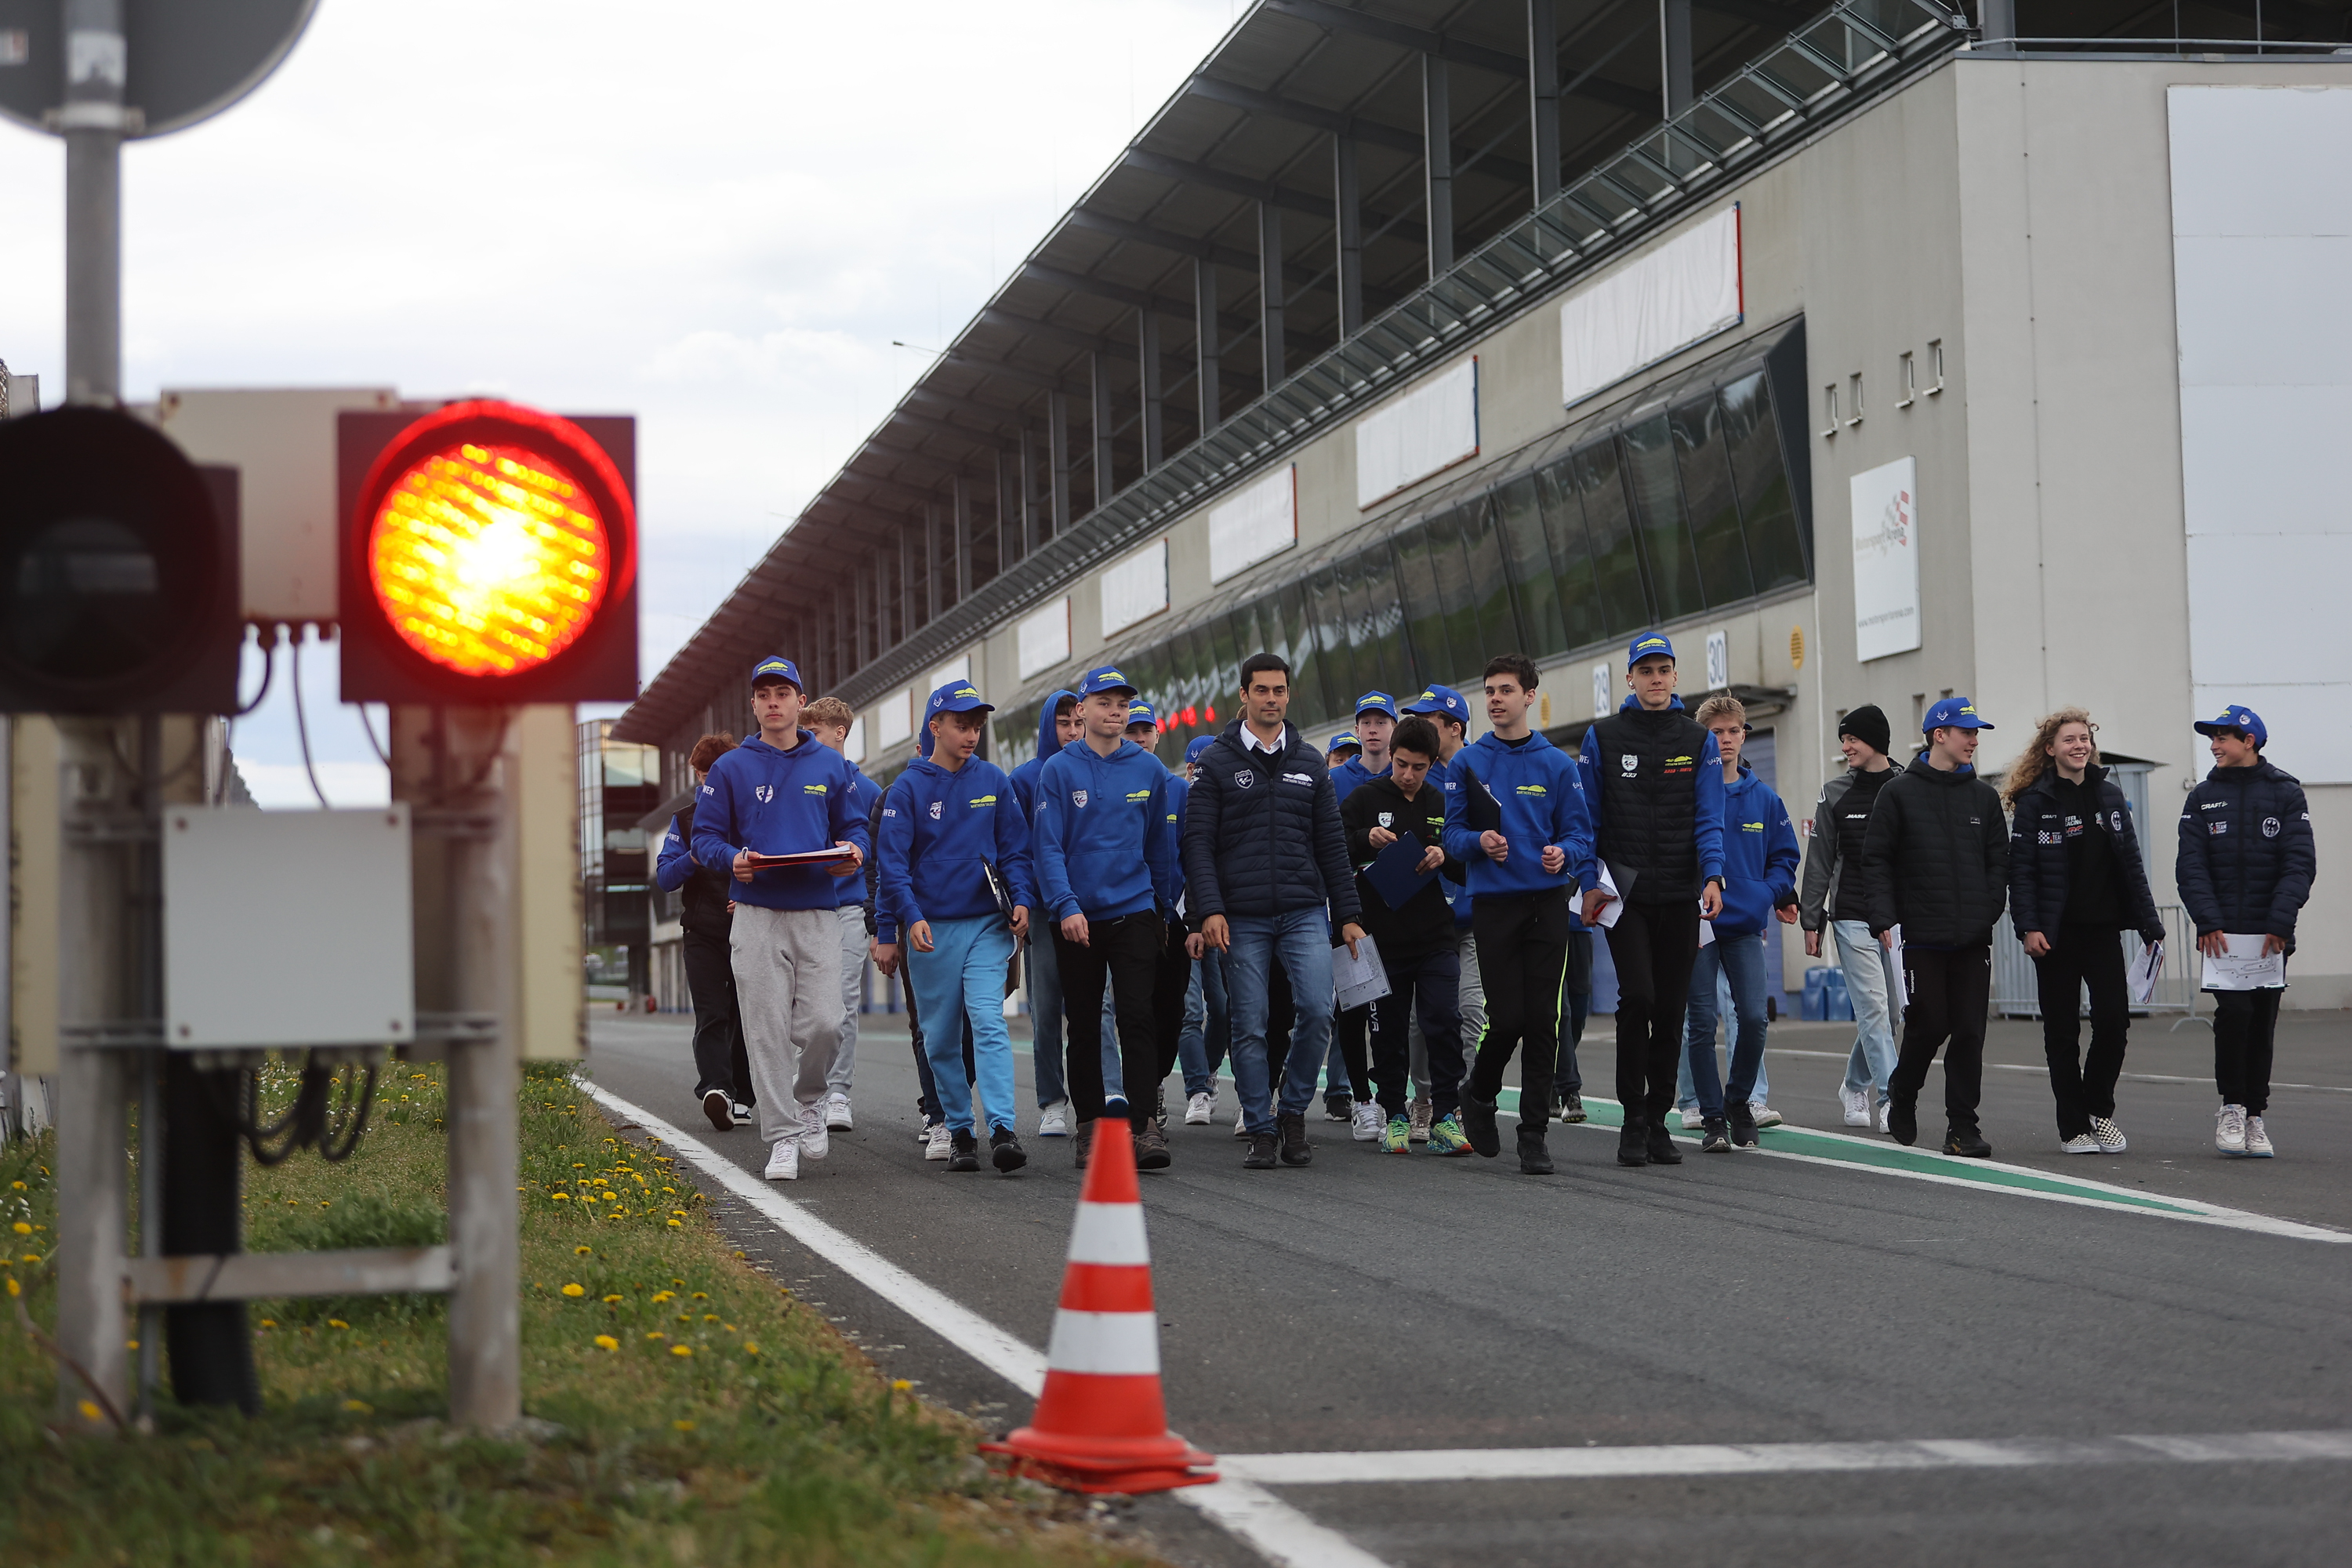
(1124, 1465)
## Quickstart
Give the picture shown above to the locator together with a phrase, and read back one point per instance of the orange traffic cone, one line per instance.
(1100, 1424)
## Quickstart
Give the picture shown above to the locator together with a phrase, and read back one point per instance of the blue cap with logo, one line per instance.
(1200, 743)
(1344, 740)
(959, 697)
(775, 667)
(2236, 718)
(1952, 713)
(1375, 703)
(1140, 713)
(1442, 700)
(1104, 678)
(1649, 645)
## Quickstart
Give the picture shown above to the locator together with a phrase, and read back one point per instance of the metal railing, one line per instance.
(2017, 994)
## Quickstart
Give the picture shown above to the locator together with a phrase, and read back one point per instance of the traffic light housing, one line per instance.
(486, 555)
(118, 570)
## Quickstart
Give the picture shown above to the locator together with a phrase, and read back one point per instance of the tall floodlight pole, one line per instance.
(92, 121)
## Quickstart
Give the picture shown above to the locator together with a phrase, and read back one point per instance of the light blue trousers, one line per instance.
(964, 973)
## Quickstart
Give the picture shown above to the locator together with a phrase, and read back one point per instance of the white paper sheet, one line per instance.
(1616, 904)
(1706, 933)
(1901, 998)
(2144, 969)
(1361, 977)
(2244, 968)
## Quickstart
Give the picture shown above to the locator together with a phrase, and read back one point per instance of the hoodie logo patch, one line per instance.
(1139, 795)
(2270, 827)
(935, 809)
(1628, 763)
(1078, 798)
(765, 791)
(811, 789)
(1244, 778)
(1532, 789)
(707, 790)
(2115, 821)
(1388, 819)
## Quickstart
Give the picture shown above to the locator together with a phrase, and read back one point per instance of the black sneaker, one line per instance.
(1478, 1122)
(1296, 1149)
(1339, 1108)
(1005, 1151)
(1660, 1148)
(1633, 1142)
(964, 1156)
(1535, 1160)
(1261, 1153)
(1151, 1147)
(1903, 1120)
(1741, 1118)
(1571, 1108)
(720, 1109)
(1968, 1142)
(1082, 1143)
(1716, 1140)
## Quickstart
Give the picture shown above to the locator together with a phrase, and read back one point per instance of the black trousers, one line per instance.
(719, 1059)
(1653, 947)
(1430, 985)
(1949, 990)
(2083, 1087)
(1522, 956)
(2243, 1025)
(1577, 987)
(1171, 985)
(1352, 1031)
(1126, 949)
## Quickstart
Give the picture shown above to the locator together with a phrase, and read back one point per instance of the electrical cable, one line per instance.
(302, 729)
(369, 730)
(268, 671)
(354, 1120)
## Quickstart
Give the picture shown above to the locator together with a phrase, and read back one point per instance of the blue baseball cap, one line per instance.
(1104, 678)
(957, 697)
(1200, 743)
(1952, 713)
(1440, 699)
(1140, 713)
(1345, 738)
(2233, 718)
(776, 668)
(1375, 703)
(1649, 645)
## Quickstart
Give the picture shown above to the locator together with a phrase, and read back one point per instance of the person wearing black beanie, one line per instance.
(1830, 900)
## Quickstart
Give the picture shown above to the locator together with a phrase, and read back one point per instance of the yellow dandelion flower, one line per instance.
(581, 1251)
(750, 1348)
(901, 1384)
(21, 1228)
(574, 1290)
(607, 1342)
(89, 1410)
(17, 1186)
(610, 1299)
(655, 1334)
(702, 1295)
(673, 1224)
(268, 1323)
(709, 1317)
(682, 1425)
(15, 1288)
(661, 1296)
(359, 1407)
(681, 1350)
(680, 1212)
(337, 1323)
(559, 1198)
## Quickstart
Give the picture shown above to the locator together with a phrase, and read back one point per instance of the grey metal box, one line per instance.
(287, 928)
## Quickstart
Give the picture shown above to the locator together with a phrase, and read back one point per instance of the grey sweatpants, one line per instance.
(788, 989)
(852, 992)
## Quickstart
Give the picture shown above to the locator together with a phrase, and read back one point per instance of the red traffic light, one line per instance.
(488, 555)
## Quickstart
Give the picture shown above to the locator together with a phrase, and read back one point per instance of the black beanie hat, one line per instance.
(1868, 725)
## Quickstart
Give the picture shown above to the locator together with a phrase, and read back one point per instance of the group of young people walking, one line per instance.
(1192, 917)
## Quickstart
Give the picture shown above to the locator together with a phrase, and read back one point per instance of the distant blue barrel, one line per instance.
(1837, 1007)
(1810, 1005)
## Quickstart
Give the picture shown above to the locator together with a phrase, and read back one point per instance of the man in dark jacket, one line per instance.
(1263, 855)
(722, 1073)
(1935, 873)
(1830, 904)
(2244, 869)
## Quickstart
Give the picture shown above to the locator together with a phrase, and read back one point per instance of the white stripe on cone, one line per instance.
(1115, 1344)
(1110, 1233)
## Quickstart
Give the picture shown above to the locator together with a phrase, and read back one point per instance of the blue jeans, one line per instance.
(963, 977)
(1045, 1018)
(1192, 1040)
(1685, 1093)
(1738, 957)
(1870, 981)
(1302, 940)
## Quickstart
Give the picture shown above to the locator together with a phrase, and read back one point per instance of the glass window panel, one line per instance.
(1248, 637)
(1776, 546)
(1299, 630)
(1452, 573)
(1659, 522)
(1723, 573)
(1364, 659)
(1398, 673)
(1527, 556)
(1425, 615)
(1579, 600)
(1332, 633)
(1619, 578)
(1490, 583)
(1226, 676)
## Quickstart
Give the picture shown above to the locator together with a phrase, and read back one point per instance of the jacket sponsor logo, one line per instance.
(976, 802)
(707, 790)
(2049, 837)
(1139, 795)
(1298, 778)
(1628, 763)
(2218, 827)
(812, 789)
(2270, 827)
(765, 791)
(2115, 822)
(1388, 819)
(2210, 804)
(1245, 778)
(1532, 789)
(1078, 798)
(935, 809)
(1751, 828)
(889, 811)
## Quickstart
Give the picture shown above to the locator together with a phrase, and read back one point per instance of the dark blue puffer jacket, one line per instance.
(2038, 837)
(2246, 856)
(1262, 834)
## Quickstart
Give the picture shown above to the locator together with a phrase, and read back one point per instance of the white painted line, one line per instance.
(1276, 1530)
(1775, 1458)
(2029, 1067)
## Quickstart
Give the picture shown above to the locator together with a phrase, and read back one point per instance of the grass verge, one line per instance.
(685, 1408)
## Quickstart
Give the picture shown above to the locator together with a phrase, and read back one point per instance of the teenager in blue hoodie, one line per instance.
(1759, 883)
(953, 841)
(783, 792)
(830, 718)
(1173, 1009)
(1057, 726)
(1106, 871)
(1516, 818)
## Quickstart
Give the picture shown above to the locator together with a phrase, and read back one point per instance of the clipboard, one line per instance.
(830, 855)
(1481, 812)
(1395, 872)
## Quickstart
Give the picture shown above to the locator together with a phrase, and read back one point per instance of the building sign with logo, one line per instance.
(1886, 560)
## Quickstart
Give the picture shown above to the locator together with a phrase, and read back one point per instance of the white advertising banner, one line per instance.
(1686, 290)
(1254, 524)
(1429, 429)
(1136, 588)
(1043, 639)
(1886, 559)
(958, 670)
(894, 716)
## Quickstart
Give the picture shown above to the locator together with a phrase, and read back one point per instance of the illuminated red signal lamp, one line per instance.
(488, 555)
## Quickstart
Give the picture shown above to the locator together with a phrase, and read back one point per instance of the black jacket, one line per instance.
(1425, 923)
(2039, 840)
(2246, 856)
(1262, 834)
(703, 897)
(1935, 858)
(1647, 810)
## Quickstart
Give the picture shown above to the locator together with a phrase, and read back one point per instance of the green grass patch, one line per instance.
(686, 1409)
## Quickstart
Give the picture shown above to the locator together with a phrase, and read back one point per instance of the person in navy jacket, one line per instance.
(783, 792)
(1759, 883)
(954, 852)
(723, 1071)
(1448, 711)
(1517, 820)
(1057, 726)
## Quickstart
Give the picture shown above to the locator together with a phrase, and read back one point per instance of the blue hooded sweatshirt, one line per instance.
(1105, 833)
(1024, 777)
(864, 792)
(1759, 855)
(1542, 793)
(1350, 774)
(1708, 809)
(758, 798)
(937, 826)
(1457, 894)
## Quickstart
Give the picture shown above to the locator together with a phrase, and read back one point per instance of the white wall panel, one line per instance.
(1427, 431)
(1135, 588)
(1686, 290)
(2237, 150)
(894, 716)
(1253, 523)
(956, 669)
(2250, 470)
(1043, 639)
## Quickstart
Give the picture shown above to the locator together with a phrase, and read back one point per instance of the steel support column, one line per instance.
(1543, 98)
(1057, 442)
(962, 492)
(1348, 211)
(1269, 291)
(1031, 513)
(1146, 349)
(1675, 54)
(1205, 351)
(906, 585)
(1998, 19)
(1437, 162)
(931, 563)
(1008, 510)
(1098, 375)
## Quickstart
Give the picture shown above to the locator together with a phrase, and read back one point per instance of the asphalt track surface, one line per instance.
(1373, 1304)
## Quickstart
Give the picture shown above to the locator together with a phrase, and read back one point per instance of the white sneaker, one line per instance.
(1765, 1115)
(937, 1141)
(2080, 1143)
(2229, 1129)
(1241, 1122)
(814, 1143)
(744, 1114)
(1887, 1116)
(2258, 1140)
(1053, 1121)
(1857, 1106)
(836, 1112)
(1369, 1122)
(1201, 1109)
(1692, 1120)
(784, 1161)
(2110, 1136)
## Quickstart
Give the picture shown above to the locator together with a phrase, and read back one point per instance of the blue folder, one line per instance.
(1395, 874)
